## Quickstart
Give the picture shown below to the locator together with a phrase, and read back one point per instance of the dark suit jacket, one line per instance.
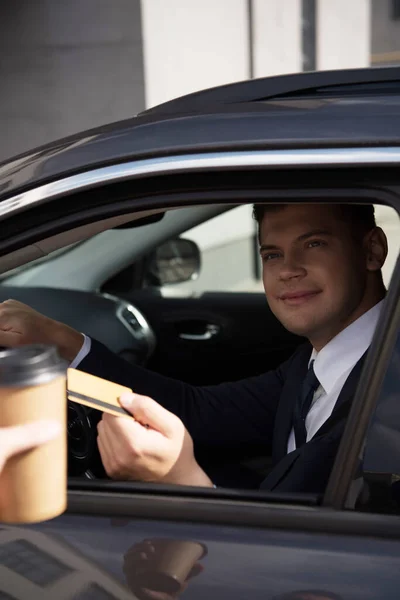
(243, 415)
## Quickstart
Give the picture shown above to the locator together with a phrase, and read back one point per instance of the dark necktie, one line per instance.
(310, 385)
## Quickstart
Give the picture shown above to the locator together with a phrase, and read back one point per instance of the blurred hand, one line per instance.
(20, 438)
(154, 446)
(21, 325)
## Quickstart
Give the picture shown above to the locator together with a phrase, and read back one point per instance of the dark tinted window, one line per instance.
(395, 9)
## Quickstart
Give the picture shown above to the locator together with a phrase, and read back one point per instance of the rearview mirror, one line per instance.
(175, 261)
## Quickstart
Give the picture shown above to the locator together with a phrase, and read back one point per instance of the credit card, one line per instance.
(96, 392)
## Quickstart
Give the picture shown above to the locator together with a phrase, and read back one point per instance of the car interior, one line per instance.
(133, 282)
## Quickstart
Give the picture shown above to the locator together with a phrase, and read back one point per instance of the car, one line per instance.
(92, 235)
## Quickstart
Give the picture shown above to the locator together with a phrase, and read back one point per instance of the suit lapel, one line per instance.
(279, 471)
(284, 414)
(345, 398)
(340, 412)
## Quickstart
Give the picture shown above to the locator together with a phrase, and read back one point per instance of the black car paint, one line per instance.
(243, 560)
(331, 120)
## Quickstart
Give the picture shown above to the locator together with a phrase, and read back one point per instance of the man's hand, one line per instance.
(154, 446)
(21, 325)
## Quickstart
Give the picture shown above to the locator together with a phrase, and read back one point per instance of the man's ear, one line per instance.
(376, 249)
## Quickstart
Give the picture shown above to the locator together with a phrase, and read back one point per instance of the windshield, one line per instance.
(43, 259)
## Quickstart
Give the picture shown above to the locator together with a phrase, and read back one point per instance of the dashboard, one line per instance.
(114, 322)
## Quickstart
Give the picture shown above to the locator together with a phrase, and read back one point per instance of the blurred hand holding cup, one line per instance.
(33, 484)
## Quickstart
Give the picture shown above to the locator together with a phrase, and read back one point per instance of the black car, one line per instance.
(314, 137)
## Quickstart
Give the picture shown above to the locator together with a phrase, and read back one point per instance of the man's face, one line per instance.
(314, 270)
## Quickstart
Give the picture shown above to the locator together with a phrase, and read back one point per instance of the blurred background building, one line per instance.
(70, 65)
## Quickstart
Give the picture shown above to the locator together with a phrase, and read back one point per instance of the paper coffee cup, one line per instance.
(169, 568)
(33, 484)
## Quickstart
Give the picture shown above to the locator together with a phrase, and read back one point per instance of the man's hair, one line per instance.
(361, 217)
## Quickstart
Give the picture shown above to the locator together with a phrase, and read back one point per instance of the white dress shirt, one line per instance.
(83, 352)
(332, 366)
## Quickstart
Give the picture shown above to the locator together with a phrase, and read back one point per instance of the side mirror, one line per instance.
(175, 261)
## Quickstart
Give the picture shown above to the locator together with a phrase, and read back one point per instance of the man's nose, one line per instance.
(291, 268)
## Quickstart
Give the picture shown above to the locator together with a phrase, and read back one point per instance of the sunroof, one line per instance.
(354, 89)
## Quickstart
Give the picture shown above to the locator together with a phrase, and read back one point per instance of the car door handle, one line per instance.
(210, 332)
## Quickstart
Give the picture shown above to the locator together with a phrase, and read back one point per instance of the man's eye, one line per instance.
(270, 256)
(315, 244)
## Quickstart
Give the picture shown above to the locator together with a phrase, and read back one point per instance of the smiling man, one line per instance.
(321, 266)
(322, 278)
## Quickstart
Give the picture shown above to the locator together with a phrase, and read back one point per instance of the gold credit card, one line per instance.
(96, 392)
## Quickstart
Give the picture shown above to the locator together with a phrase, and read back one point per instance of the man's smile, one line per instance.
(298, 297)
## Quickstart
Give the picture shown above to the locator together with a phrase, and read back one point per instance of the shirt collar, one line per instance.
(345, 350)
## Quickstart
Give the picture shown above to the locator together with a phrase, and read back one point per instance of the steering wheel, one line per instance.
(83, 454)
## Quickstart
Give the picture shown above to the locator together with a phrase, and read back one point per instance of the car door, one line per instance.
(255, 545)
(258, 544)
(219, 336)
(122, 540)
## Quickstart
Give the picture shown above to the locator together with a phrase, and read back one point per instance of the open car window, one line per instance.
(205, 340)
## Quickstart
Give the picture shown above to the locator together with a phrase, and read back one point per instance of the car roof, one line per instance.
(355, 107)
(315, 84)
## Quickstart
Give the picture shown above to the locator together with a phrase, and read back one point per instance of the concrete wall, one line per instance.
(191, 45)
(385, 34)
(66, 67)
(343, 34)
(276, 37)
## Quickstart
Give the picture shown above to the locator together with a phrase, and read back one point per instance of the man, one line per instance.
(322, 278)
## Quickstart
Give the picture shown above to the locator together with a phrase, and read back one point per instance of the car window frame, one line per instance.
(366, 397)
(338, 157)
